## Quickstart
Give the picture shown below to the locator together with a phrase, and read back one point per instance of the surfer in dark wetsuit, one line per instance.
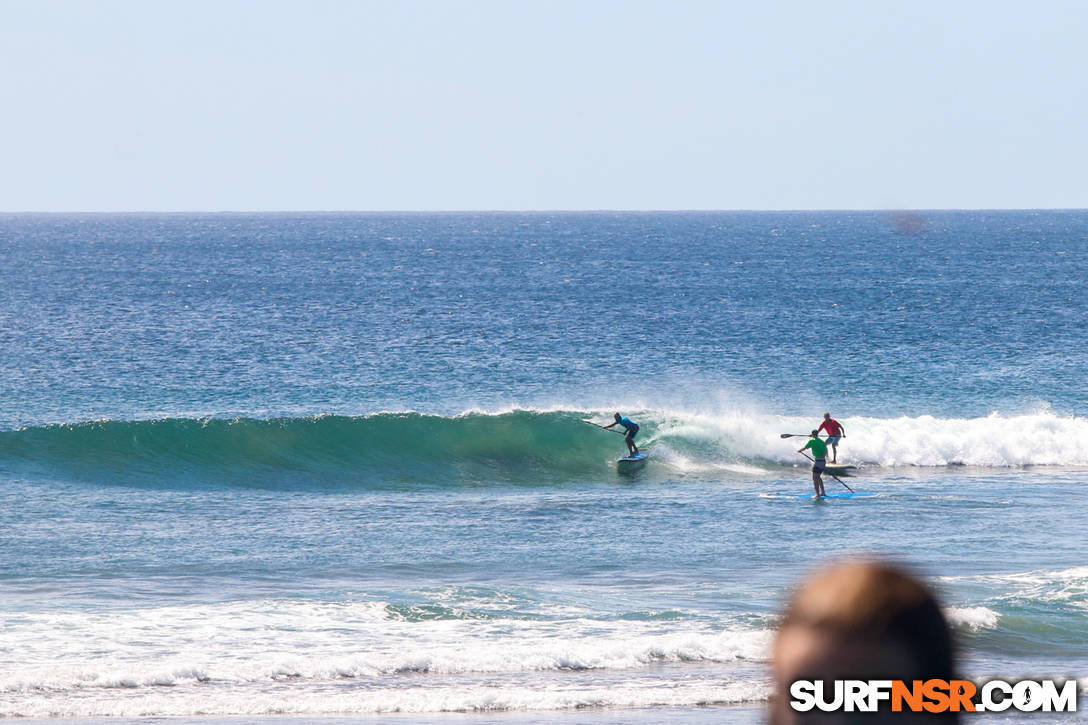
(632, 430)
(819, 453)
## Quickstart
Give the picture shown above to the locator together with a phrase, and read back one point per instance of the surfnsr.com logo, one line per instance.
(1044, 695)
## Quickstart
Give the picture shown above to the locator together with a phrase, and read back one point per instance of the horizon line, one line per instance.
(887, 210)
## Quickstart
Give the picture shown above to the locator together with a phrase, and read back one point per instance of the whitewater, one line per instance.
(304, 467)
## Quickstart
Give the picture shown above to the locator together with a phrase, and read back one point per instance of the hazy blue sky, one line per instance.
(191, 105)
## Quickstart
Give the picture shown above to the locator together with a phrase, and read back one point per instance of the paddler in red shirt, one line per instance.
(835, 432)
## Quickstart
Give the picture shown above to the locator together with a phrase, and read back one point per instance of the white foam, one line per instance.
(352, 699)
(1041, 438)
(317, 658)
(246, 643)
(1063, 586)
(688, 464)
(974, 618)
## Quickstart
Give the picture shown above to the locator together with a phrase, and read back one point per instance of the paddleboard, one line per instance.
(844, 494)
(840, 469)
(636, 459)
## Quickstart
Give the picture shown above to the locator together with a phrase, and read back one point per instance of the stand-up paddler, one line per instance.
(835, 433)
(632, 430)
(819, 454)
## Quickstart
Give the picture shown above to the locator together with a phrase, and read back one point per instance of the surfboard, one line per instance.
(635, 460)
(840, 469)
(844, 494)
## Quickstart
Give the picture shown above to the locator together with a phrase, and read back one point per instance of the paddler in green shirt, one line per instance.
(819, 453)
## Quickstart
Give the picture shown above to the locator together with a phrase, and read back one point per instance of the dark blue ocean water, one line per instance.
(131, 315)
(335, 464)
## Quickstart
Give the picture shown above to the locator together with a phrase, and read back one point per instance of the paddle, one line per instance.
(610, 430)
(794, 435)
(828, 472)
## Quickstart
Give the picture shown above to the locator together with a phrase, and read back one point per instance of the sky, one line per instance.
(147, 105)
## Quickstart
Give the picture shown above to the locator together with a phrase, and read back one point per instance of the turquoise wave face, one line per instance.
(326, 450)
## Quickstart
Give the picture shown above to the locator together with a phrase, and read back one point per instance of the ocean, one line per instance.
(332, 467)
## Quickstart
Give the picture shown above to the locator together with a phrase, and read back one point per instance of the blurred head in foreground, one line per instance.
(866, 620)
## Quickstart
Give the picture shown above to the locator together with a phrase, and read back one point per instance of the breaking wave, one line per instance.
(514, 446)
